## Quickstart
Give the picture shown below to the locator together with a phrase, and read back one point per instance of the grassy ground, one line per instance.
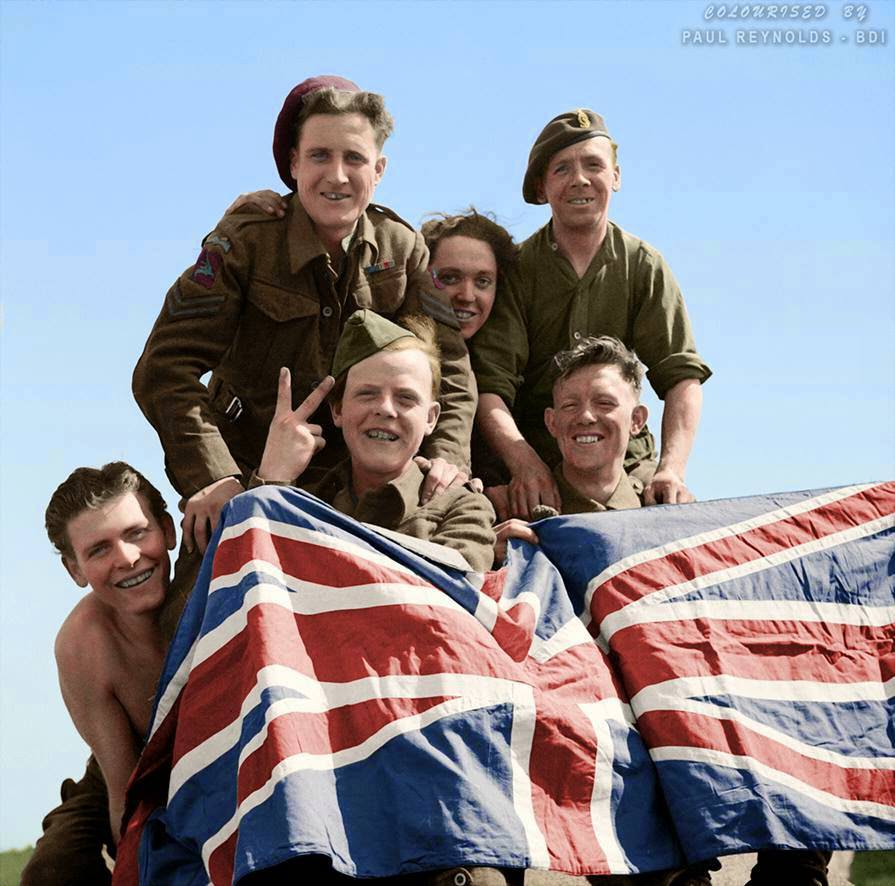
(873, 869)
(11, 864)
(868, 869)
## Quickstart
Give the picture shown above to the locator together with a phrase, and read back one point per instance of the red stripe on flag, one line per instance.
(562, 777)
(217, 687)
(400, 640)
(514, 630)
(494, 582)
(756, 650)
(221, 862)
(323, 733)
(686, 729)
(304, 560)
(582, 672)
(747, 546)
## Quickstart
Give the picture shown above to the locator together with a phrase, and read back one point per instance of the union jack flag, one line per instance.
(331, 692)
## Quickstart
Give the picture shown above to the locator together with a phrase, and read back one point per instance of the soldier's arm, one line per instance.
(531, 481)
(499, 357)
(663, 339)
(450, 439)
(197, 324)
(680, 419)
(99, 717)
(662, 335)
(467, 528)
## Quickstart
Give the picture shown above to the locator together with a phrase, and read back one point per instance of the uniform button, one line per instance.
(577, 336)
(327, 311)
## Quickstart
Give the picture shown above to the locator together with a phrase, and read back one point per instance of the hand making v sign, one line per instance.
(292, 440)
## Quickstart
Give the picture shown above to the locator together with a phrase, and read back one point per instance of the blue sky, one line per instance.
(764, 174)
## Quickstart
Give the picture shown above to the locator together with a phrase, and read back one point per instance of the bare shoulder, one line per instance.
(84, 644)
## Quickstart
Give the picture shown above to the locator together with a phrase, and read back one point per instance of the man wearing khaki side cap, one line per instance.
(267, 292)
(582, 275)
(383, 394)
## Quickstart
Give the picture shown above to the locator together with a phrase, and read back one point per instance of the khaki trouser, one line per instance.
(70, 851)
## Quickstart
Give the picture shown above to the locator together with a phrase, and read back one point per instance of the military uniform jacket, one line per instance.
(458, 518)
(543, 308)
(263, 294)
(626, 495)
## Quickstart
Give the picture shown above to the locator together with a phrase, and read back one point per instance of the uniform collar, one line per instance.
(303, 243)
(386, 506)
(626, 495)
(605, 254)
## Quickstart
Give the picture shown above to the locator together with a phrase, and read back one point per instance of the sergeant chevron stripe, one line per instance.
(194, 306)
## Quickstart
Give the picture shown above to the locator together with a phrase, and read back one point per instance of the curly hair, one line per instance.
(599, 350)
(477, 225)
(338, 101)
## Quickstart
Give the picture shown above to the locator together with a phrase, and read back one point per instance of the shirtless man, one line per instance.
(113, 531)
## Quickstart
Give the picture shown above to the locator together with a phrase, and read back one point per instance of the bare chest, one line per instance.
(135, 677)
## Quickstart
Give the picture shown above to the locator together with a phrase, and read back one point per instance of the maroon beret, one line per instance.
(562, 131)
(284, 131)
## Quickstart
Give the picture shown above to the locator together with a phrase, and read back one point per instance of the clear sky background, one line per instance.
(763, 173)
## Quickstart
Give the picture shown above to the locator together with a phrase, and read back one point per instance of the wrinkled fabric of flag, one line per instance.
(644, 687)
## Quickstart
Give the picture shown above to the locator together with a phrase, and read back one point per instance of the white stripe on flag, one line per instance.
(702, 538)
(736, 761)
(601, 811)
(306, 598)
(311, 536)
(659, 599)
(489, 691)
(652, 611)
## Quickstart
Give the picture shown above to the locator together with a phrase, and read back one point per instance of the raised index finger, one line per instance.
(312, 402)
(284, 392)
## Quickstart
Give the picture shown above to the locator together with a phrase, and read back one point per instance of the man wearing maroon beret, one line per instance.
(273, 291)
(582, 275)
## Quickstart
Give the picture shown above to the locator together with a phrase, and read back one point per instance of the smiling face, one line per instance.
(578, 184)
(466, 269)
(594, 413)
(336, 167)
(386, 411)
(121, 551)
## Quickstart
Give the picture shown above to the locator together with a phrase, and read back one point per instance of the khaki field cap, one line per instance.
(365, 333)
(562, 131)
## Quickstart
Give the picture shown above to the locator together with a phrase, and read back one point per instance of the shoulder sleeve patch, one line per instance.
(197, 306)
(438, 310)
(206, 269)
(219, 240)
